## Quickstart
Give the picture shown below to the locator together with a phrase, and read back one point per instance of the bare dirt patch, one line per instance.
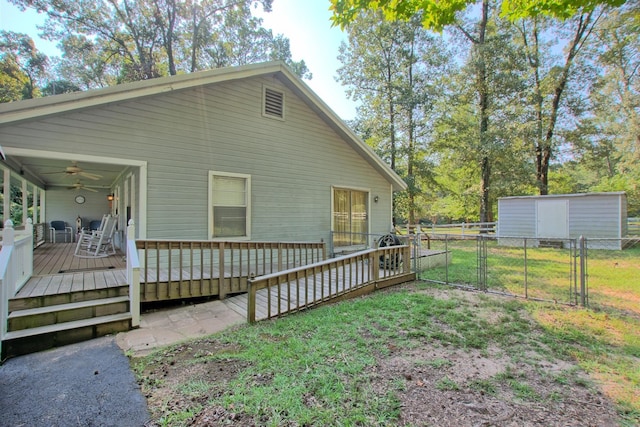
(436, 384)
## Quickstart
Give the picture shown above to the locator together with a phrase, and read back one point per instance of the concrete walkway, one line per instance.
(172, 325)
(91, 383)
(84, 384)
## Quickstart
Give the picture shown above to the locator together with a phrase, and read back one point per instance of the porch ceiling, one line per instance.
(66, 173)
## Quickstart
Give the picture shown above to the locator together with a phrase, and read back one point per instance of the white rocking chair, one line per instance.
(97, 244)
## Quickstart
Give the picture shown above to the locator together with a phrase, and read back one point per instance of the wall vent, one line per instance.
(273, 103)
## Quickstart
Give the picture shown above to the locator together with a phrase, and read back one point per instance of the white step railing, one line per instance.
(16, 266)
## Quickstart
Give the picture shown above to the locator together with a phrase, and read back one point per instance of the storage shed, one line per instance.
(596, 216)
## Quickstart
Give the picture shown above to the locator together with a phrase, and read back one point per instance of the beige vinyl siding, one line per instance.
(185, 134)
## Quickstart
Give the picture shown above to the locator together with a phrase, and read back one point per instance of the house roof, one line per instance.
(14, 112)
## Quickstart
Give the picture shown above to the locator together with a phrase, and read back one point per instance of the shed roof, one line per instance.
(15, 112)
(564, 196)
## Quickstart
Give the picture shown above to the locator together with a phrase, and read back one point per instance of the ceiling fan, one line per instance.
(75, 170)
(80, 186)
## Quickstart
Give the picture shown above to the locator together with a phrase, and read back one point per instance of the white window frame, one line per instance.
(264, 101)
(213, 174)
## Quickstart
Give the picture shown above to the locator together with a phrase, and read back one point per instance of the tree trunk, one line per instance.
(484, 189)
(544, 150)
(483, 100)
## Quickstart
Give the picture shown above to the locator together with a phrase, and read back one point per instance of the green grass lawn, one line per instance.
(612, 275)
(322, 367)
(604, 339)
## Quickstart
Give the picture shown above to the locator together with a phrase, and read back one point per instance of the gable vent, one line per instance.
(273, 103)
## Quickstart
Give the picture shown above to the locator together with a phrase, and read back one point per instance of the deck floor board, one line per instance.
(56, 270)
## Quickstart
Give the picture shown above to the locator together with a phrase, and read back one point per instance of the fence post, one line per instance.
(417, 249)
(583, 271)
(482, 262)
(446, 263)
(526, 277)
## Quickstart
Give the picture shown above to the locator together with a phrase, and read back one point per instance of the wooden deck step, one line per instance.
(44, 337)
(62, 313)
(31, 302)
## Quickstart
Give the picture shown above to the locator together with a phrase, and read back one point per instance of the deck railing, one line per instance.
(175, 269)
(16, 266)
(344, 277)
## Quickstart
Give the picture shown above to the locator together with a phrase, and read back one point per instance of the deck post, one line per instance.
(407, 256)
(28, 262)
(374, 265)
(251, 302)
(222, 292)
(133, 275)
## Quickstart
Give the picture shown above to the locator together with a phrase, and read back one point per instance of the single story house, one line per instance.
(248, 153)
(599, 217)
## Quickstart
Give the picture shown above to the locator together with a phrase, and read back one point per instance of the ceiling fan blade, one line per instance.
(81, 187)
(88, 175)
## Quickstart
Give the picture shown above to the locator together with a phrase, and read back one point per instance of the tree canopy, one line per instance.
(105, 42)
(437, 14)
(538, 96)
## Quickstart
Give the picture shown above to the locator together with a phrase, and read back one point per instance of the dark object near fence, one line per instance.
(389, 261)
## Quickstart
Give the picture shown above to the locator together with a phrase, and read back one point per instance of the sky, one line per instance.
(304, 22)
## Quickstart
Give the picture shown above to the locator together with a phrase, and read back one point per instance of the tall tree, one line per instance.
(126, 40)
(22, 67)
(478, 128)
(615, 92)
(370, 71)
(581, 27)
(436, 14)
(394, 68)
(478, 39)
(606, 140)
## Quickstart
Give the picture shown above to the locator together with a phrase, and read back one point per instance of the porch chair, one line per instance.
(97, 225)
(97, 244)
(60, 227)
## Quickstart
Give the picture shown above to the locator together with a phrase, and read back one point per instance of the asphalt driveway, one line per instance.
(84, 384)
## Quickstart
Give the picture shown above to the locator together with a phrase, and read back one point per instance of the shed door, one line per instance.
(552, 217)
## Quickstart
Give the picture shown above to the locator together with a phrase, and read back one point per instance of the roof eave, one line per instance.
(14, 112)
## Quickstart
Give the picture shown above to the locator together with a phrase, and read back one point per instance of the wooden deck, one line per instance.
(57, 258)
(56, 271)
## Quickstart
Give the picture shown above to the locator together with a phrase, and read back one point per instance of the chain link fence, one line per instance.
(612, 270)
(587, 272)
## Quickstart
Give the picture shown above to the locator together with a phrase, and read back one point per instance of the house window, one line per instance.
(273, 103)
(229, 207)
(350, 217)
